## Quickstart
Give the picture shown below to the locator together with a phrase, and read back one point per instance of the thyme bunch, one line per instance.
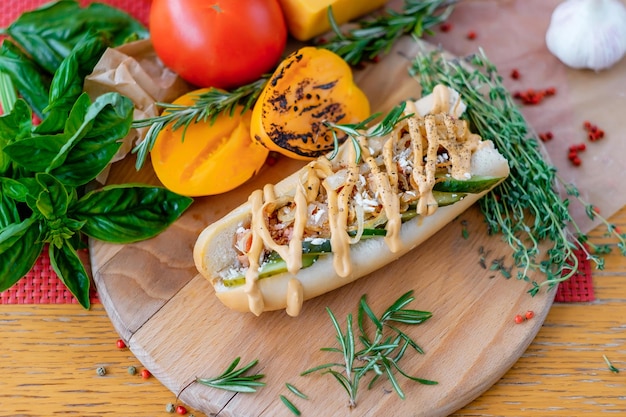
(205, 108)
(373, 37)
(379, 355)
(236, 380)
(526, 208)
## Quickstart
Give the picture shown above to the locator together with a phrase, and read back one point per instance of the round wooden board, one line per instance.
(175, 326)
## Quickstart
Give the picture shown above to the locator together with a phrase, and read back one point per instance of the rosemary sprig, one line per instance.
(526, 208)
(236, 380)
(376, 36)
(206, 107)
(355, 130)
(380, 355)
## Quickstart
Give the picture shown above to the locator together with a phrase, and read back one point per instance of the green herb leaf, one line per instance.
(612, 368)
(20, 246)
(8, 208)
(67, 83)
(8, 96)
(296, 391)
(15, 125)
(70, 269)
(27, 77)
(290, 405)
(127, 213)
(86, 147)
(95, 138)
(54, 199)
(49, 33)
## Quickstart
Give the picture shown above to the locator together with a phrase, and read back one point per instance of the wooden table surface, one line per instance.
(49, 355)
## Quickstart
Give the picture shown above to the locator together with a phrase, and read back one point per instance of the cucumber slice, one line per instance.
(474, 185)
(273, 266)
(316, 247)
(445, 198)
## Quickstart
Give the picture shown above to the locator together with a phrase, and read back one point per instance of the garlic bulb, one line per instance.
(588, 33)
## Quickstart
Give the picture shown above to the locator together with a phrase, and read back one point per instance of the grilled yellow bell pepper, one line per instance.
(310, 86)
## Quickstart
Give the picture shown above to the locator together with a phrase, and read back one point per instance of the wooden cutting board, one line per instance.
(175, 326)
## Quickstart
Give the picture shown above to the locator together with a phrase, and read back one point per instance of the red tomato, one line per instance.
(222, 44)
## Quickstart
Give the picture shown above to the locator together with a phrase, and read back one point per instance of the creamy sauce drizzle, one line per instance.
(427, 134)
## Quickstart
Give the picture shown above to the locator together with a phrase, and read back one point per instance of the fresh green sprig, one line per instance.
(236, 380)
(526, 208)
(205, 108)
(379, 355)
(356, 130)
(376, 36)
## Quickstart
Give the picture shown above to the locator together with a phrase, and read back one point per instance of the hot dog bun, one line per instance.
(214, 251)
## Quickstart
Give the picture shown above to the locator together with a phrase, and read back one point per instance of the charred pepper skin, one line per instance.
(310, 87)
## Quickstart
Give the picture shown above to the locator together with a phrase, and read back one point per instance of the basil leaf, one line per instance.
(20, 246)
(17, 124)
(67, 83)
(71, 271)
(13, 189)
(126, 213)
(91, 139)
(106, 122)
(49, 33)
(26, 76)
(8, 208)
(13, 127)
(53, 200)
(37, 152)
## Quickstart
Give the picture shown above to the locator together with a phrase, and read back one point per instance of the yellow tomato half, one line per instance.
(211, 158)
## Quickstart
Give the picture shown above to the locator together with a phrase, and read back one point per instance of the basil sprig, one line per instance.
(46, 171)
(45, 198)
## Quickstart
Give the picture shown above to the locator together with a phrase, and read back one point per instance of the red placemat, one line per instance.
(579, 288)
(42, 286)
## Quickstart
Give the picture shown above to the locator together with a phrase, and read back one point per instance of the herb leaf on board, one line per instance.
(125, 213)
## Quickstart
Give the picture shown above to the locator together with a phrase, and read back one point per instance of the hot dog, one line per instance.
(346, 215)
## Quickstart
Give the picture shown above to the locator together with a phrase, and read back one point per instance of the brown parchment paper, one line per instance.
(135, 71)
(512, 34)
